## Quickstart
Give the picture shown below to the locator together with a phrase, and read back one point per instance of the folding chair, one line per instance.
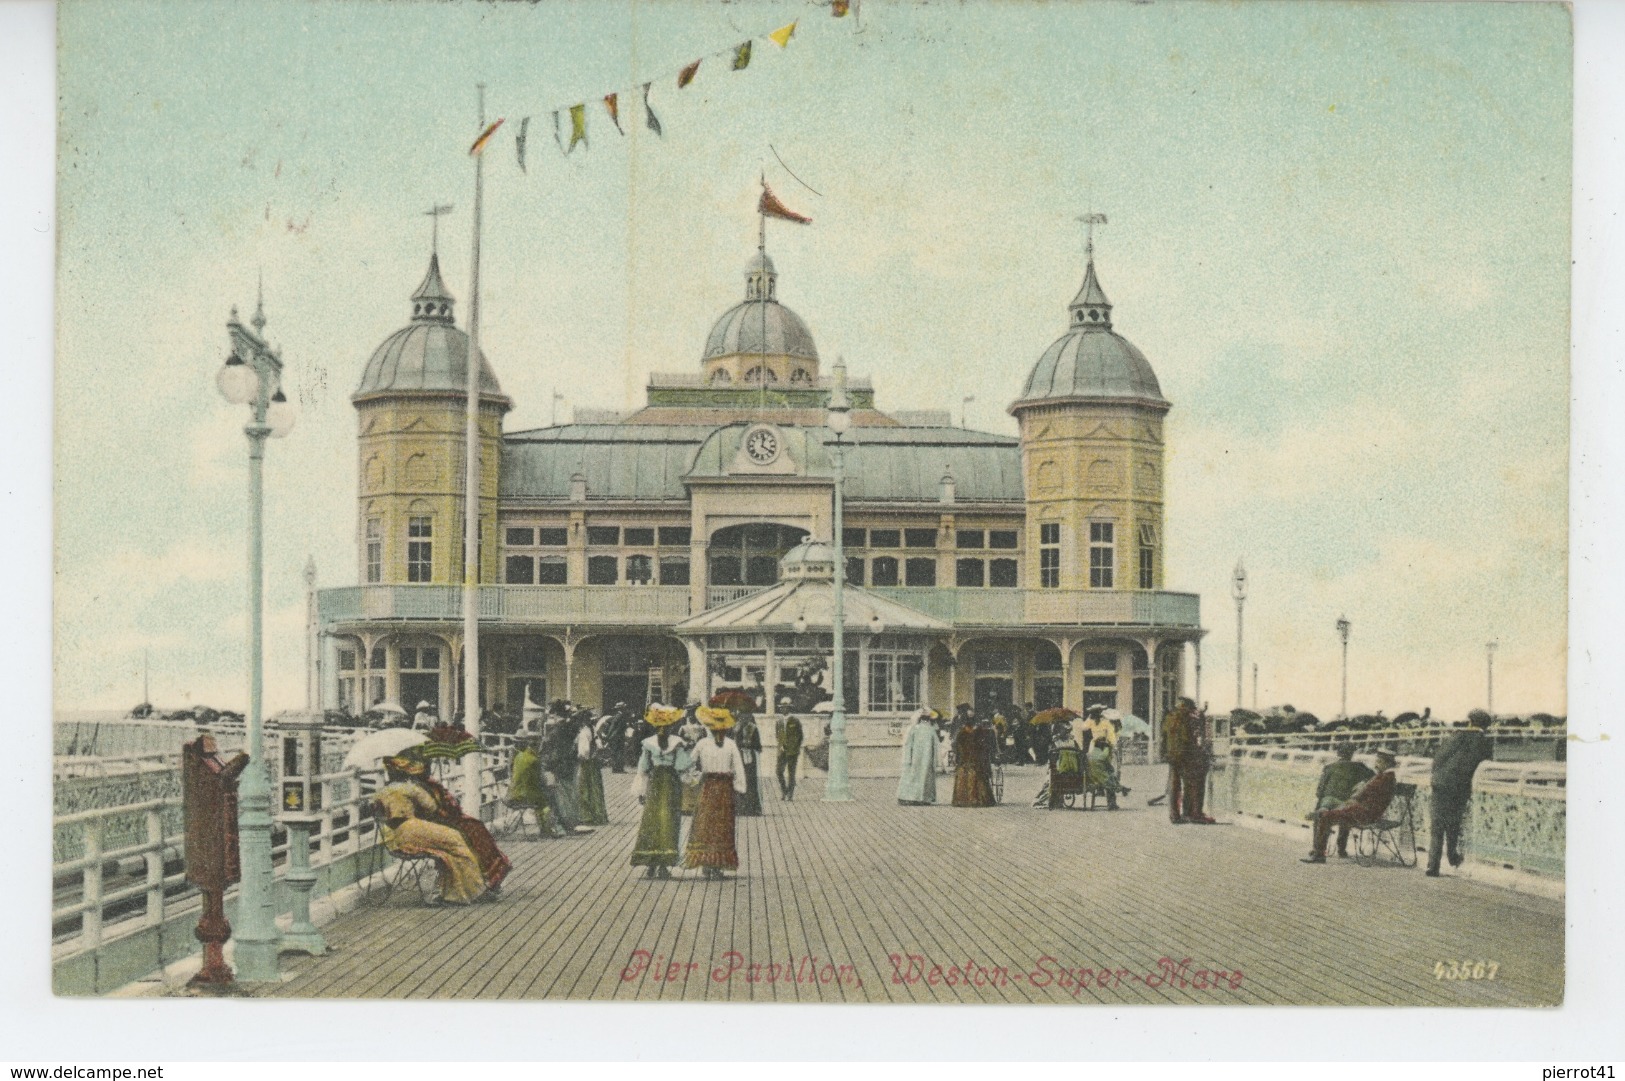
(384, 878)
(515, 822)
(1394, 833)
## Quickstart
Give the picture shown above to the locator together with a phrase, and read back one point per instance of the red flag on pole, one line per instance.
(686, 76)
(770, 206)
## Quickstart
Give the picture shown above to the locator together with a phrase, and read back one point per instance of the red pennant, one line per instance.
(770, 206)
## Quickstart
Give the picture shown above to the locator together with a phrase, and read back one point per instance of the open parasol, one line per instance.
(732, 698)
(449, 741)
(1053, 714)
(373, 747)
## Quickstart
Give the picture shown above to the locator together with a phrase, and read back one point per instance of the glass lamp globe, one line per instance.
(840, 421)
(801, 624)
(237, 382)
(876, 624)
(279, 416)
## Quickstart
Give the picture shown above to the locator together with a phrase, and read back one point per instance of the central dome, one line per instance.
(760, 325)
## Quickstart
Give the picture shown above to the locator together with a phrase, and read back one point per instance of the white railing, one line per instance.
(717, 596)
(107, 885)
(628, 604)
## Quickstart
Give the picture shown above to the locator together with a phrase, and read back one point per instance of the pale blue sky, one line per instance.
(1339, 232)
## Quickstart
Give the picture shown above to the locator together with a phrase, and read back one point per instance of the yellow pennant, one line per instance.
(781, 37)
(578, 125)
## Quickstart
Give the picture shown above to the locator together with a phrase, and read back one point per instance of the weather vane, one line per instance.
(1089, 222)
(435, 212)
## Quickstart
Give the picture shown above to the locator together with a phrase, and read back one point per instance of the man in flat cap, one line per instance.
(1453, 767)
(1365, 806)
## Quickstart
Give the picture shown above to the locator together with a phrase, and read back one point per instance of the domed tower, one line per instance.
(1091, 417)
(410, 408)
(760, 338)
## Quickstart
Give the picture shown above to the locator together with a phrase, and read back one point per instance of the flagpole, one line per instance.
(471, 500)
(761, 258)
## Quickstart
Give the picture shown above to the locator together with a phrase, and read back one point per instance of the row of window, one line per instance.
(763, 569)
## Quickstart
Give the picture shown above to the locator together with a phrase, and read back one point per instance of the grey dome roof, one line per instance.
(1091, 360)
(760, 325)
(428, 354)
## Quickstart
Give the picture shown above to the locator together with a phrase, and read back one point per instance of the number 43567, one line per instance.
(1465, 970)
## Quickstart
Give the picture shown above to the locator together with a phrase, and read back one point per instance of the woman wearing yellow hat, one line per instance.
(722, 779)
(662, 758)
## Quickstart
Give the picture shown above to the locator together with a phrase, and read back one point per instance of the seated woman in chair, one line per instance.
(493, 864)
(407, 811)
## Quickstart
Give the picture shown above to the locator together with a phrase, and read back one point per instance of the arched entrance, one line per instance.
(748, 555)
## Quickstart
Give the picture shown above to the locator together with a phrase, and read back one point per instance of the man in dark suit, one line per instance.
(1367, 804)
(789, 737)
(1453, 767)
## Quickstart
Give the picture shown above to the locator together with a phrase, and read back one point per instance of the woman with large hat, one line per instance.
(722, 778)
(662, 757)
(409, 812)
(494, 864)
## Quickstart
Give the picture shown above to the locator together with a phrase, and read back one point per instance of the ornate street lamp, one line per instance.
(838, 788)
(1343, 633)
(252, 376)
(1238, 590)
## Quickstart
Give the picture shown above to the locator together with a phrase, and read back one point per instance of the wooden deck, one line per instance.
(1007, 904)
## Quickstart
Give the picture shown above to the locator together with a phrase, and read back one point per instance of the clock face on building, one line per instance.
(762, 445)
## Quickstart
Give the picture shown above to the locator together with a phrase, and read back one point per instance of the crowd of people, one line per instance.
(702, 763)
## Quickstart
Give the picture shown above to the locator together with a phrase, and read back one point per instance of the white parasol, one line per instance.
(373, 747)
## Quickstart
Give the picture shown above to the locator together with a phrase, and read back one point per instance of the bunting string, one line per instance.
(735, 58)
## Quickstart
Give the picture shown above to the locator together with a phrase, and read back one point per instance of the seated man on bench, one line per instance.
(1365, 806)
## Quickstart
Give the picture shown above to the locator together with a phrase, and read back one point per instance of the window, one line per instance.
(1101, 554)
(885, 538)
(675, 536)
(375, 550)
(639, 569)
(969, 538)
(519, 536)
(853, 538)
(603, 534)
(894, 681)
(721, 376)
(761, 570)
(346, 660)
(347, 681)
(419, 549)
(919, 538)
(727, 571)
(883, 571)
(968, 572)
(1099, 679)
(1049, 555)
(1001, 573)
(552, 572)
(378, 661)
(519, 570)
(674, 572)
(1148, 556)
(1003, 538)
(426, 659)
(854, 571)
(640, 538)
(552, 538)
(920, 572)
(761, 374)
(602, 570)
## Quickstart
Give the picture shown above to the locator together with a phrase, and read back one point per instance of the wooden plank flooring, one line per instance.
(873, 902)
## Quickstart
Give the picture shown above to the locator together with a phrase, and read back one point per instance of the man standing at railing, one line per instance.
(1453, 769)
(1185, 741)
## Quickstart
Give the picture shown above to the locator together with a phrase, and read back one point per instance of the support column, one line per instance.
(569, 642)
(699, 673)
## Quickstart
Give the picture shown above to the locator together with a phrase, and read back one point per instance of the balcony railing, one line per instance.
(653, 605)
(665, 605)
(996, 607)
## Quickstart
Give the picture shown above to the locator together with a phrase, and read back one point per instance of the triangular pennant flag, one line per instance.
(519, 141)
(558, 137)
(612, 102)
(485, 137)
(649, 116)
(578, 126)
(839, 8)
(686, 76)
(742, 57)
(781, 37)
(770, 206)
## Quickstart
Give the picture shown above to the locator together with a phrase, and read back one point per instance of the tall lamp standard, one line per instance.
(1489, 658)
(838, 788)
(1238, 590)
(252, 376)
(1343, 633)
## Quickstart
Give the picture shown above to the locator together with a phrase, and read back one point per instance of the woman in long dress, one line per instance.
(971, 775)
(589, 775)
(493, 863)
(691, 732)
(407, 810)
(917, 784)
(722, 777)
(661, 758)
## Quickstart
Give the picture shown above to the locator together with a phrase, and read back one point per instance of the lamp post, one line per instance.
(1489, 659)
(252, 376)
(1238, 590)
(838, 788)
(1343, 633)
